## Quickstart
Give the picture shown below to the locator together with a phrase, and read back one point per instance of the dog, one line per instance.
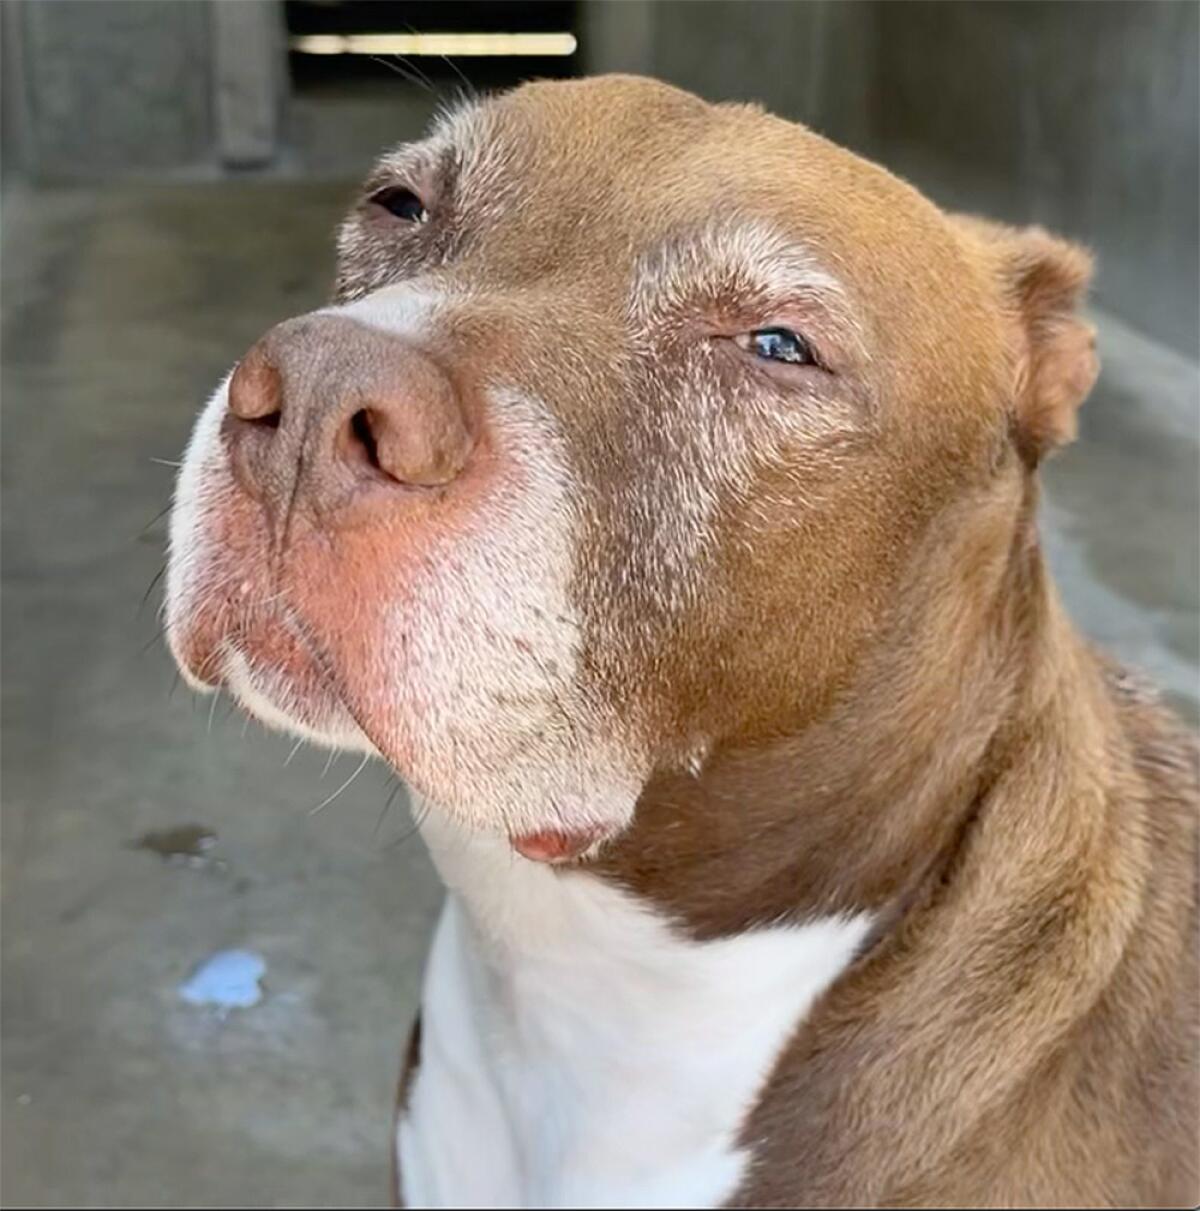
(658, 497)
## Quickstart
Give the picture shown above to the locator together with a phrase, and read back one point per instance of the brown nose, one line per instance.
(322, 408)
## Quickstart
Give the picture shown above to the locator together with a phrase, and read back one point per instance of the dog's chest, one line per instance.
(576, 1051)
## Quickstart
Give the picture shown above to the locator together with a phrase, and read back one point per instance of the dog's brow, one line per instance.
(455, 120)
(751, 258)
(403, 162)
(770, 260)
(449, 137)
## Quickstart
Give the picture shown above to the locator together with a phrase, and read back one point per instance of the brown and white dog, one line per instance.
(658, 497)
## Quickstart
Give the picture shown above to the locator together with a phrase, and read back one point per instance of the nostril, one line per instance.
(409, 454)
(413, 440)
(360, 429)
(256, 392)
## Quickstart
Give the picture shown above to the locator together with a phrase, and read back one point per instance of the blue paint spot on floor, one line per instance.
(226, 980)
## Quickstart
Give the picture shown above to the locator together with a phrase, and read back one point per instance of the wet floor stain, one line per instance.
(228, 979)
(185, 845)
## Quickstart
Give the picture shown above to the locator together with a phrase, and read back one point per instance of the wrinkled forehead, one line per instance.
(591, 157)
(603, 171)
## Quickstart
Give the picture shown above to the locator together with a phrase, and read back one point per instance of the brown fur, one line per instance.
(851, 685)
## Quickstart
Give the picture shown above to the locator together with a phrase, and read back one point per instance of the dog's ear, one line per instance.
(1043, 280)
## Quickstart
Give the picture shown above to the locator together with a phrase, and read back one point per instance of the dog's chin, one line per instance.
(268, 697)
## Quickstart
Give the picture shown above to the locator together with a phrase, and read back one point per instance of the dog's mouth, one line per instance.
(332, 671)
(323, 718)
(285, 686)
(292, 694)
(265, 638)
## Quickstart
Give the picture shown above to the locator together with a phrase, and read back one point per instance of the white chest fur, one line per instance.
(578, 1052)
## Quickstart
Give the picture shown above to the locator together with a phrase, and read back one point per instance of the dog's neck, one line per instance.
(941, 850)
(860, 809)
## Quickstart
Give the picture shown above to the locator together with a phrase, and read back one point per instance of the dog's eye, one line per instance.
(777, 345)
(401, 202)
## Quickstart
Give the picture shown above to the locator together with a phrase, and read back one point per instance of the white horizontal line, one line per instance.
(474, 45)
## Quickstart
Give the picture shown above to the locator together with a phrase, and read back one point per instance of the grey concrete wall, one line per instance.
(115, 85)
(810, 60)
(12, 94)
(249, 41)
(101, 88)
(617, 37)
(1080, 116)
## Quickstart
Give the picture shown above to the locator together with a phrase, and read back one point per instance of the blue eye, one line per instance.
(779, 345)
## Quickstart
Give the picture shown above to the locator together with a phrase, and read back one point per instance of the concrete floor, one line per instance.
(121, 308)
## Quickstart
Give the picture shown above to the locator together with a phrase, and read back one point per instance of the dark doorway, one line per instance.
(327, 44)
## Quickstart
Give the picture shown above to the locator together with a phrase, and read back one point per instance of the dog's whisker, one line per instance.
(421, 75)
(419, 817)
(210, 661)
(334, 754)
(159, 632)
(468, 89)
(387, 804)
(167, 462)
(295, 749)
(157, 517)
(150, 588)
(407, 72)
(326, 802)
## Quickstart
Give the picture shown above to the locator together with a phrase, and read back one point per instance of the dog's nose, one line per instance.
(323, 407)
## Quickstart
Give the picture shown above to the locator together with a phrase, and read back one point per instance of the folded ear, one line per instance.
(1042, 280)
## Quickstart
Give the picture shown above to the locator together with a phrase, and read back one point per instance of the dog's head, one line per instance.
(626, 420)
